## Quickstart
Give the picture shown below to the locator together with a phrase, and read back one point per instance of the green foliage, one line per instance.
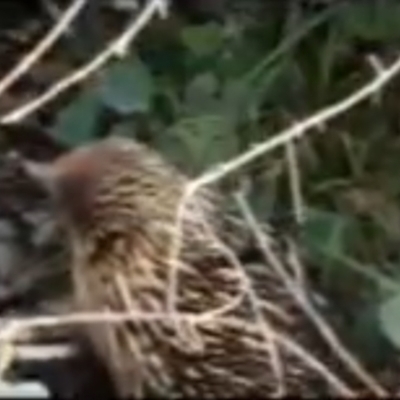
(374, 20)
(203, 40)
(127, 87)
(76, 124)
(389, 315)
(325, 233)
(368, 338)
(200, 142)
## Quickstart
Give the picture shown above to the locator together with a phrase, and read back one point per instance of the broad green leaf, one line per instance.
(371, 20)
(198, 143)
(389, 317)
(200, 95)
(127, 87)
(277, 85)
(325, 232)
(367, 336)
(203, 40)
(76, 124)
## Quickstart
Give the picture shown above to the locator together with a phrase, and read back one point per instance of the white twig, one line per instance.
(295, 348)
(375, 63)
(43, 46)
(175, 249)
(154, 6)
(299, 128)
(295, 182)
(7, 351)
(300, 296)
(378, 68)
(14, 326)
(117, 47)
(264, 326)
(294, 262)
(296, 131)
(26, 352)
(287, 135)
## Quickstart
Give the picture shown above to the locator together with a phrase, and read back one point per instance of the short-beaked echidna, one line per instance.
(118, 202)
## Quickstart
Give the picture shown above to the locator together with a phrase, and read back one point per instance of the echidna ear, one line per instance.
(43, 174)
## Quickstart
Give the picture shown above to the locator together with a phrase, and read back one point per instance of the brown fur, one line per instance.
(118, 202)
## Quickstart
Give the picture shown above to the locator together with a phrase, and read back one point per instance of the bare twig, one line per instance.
(117, 47)
(300, 296)
(12, 327)
(294, 262)
(15, 326)
(342, 388)
(44, 352)
(264, 326)
(175, 250)
(43, 46)
(7, 351)
(282, 138)
(378, 68)
(299, 128)
(295, 182)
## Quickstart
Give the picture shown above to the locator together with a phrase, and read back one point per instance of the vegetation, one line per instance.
(205, 84)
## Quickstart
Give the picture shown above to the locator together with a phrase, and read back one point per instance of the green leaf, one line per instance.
(367, 336)
(324, 236)
(200, 95)
(389, 317)
(198, 143)
(203, 40)
(279, 84)
(371, 20)
(128, 87)
(325, 232)
(76, 124)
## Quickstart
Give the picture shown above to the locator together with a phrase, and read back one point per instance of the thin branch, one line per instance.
(175, 249)
(300, 296)
(14, 326)
(37, 352)
(342, 388)
(43, 46)
(295, 182)
(282, 138)
(299, 128)
(117, 47)
(7, 351)
(264, 326)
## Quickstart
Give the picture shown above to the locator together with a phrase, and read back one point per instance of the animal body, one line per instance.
(117, 201)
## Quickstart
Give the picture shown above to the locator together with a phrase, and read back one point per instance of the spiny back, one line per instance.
(119, 202)
(120, 185)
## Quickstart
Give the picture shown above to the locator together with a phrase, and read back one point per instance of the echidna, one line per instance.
(118, 203)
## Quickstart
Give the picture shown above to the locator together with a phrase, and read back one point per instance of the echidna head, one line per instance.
(112, 180)
(72, 180)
